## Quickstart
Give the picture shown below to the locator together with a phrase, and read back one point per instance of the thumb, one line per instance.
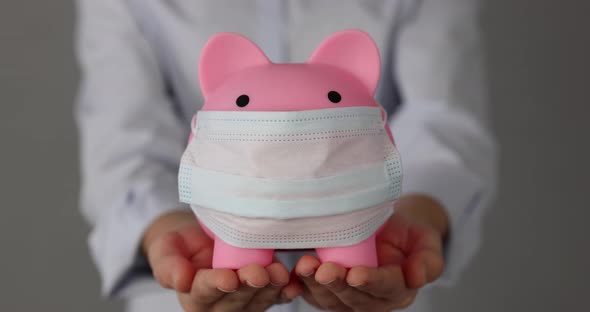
(169, 259)
(425, 262)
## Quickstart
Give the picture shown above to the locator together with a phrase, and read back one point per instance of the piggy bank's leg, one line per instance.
(361, 254)
(230, 257)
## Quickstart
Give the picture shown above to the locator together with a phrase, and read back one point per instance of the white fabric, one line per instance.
(283, 123)
(317, 232)
(311, 148)
(139, 91)
(287, 180)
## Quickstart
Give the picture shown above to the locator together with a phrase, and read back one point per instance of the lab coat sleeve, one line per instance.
(131, 140)
(441, 129)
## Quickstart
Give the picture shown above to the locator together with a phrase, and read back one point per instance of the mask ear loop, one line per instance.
(193, 129)
(386, 124)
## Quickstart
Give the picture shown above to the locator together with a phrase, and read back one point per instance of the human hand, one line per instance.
(410, 253)
(180, 254)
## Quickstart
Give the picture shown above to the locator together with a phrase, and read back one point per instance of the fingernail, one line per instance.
(308, 274)
(226, 291)
(277, 285)
(254, 285)
(326, 283)
(356, 285)
(286, 298)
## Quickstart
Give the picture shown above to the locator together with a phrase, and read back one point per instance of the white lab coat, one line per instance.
(139, 91)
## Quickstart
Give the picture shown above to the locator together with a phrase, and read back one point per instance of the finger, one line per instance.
(389, 254)
(278, 274)
(211, 285)
(330, 272)
(293, 289)
(435, 264)
(313, 301)
(306, 269)
(423, 267)
(270, 295)
(169, 260)
(333, 277)
(425, 261)
(187, 303)
(309, 298)
(253, 278)
(307, 266)
(385, 282)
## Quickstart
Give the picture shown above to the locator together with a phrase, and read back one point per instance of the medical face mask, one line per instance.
(283, 180)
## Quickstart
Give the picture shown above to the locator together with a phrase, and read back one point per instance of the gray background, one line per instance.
(536, 255)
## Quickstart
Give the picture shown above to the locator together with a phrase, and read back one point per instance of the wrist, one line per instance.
(165, 223)
(425, 210)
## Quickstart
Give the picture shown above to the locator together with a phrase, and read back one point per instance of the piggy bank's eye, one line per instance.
(334, 97)
(242, 100)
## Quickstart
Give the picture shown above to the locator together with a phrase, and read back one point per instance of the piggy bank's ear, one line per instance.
(225, 54)
(353, 51)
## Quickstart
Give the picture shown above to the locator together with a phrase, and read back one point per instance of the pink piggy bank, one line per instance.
(291, 156)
